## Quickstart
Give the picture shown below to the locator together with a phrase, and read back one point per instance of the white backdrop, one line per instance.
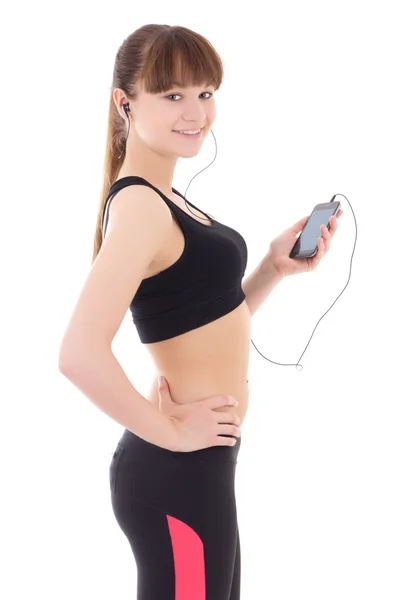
(308, 108)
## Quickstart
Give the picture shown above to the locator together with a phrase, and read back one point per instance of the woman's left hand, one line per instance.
(280, 247)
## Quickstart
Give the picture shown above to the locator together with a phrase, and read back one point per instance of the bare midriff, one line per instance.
(206, 361)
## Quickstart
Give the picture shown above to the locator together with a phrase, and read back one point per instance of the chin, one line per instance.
(189, 154)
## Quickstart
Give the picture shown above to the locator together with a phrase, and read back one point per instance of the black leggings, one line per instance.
(178, 512)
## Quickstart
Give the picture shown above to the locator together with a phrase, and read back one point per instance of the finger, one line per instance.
(224, 441)
(320, 253)
(313, 262)
(163, 385)
(333, 224)
(224, 429)
(218, 401)
(226, 417)
(299, 226)
(327, 236)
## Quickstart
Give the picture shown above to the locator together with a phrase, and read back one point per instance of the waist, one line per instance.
(207, 361)
(190, 388)
(139, 450)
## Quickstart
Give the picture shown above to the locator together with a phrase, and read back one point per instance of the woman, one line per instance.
(180, 273)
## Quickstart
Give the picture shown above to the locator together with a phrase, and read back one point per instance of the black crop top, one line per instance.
(201, 286)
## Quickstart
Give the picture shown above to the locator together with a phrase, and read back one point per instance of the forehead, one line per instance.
(175, 84)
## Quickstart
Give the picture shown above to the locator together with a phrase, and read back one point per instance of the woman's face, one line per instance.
(158, 117)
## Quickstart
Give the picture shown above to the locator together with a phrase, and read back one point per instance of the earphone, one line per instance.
(297, 365)
(125, 108)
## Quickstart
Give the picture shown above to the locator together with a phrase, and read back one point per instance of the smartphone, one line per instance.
(306, 244)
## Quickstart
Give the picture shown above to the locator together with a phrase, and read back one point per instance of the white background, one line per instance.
(309, 107)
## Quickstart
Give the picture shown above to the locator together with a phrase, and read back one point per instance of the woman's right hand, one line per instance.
(196, 424)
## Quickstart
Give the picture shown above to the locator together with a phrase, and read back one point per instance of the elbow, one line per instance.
(67, 357)
(64, 358)
(66, 362)
(72, 360)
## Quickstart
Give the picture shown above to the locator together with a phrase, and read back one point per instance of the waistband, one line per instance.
(140, 449)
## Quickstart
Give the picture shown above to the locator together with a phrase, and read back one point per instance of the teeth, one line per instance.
(190, 131)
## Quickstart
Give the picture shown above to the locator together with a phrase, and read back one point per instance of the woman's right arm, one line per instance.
(98, 374)
(138, 227)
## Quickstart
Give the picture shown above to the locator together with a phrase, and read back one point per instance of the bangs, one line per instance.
(180, 57)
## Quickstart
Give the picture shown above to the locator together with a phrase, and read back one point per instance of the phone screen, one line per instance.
(311, 232)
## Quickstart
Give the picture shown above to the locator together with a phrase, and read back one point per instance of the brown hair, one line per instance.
(155, 58)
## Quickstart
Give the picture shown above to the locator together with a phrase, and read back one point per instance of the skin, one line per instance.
(153, 149)
(213, 359)
(278, 254)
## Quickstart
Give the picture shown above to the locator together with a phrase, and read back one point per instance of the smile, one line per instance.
(190, 135)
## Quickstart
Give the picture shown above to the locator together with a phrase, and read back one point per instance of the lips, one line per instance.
(201, 129)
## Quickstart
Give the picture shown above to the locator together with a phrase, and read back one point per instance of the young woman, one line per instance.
(180, 273)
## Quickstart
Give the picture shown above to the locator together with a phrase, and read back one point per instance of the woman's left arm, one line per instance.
(276, 264)
(259, 284)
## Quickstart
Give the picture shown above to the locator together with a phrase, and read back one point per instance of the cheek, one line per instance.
(161, 125)
(153, 130)
(212, 111)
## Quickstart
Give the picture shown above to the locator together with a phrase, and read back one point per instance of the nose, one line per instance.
(194, 112)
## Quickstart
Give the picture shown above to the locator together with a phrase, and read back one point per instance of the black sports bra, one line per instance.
(204, 284)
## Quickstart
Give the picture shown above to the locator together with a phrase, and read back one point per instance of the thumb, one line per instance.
(164, 395)
(162, 383)
(299, 225)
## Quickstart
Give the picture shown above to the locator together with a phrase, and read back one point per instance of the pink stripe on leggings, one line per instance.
(188, 553)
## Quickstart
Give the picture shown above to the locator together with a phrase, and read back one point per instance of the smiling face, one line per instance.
(157, 118)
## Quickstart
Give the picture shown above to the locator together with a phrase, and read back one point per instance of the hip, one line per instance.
(144, 472)
(194, 388)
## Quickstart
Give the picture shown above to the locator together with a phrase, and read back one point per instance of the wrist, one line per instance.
(269, 270)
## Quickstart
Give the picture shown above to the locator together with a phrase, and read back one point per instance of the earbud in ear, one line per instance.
(126, 107)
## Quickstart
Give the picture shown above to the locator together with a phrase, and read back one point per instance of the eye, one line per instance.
(171, 95)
